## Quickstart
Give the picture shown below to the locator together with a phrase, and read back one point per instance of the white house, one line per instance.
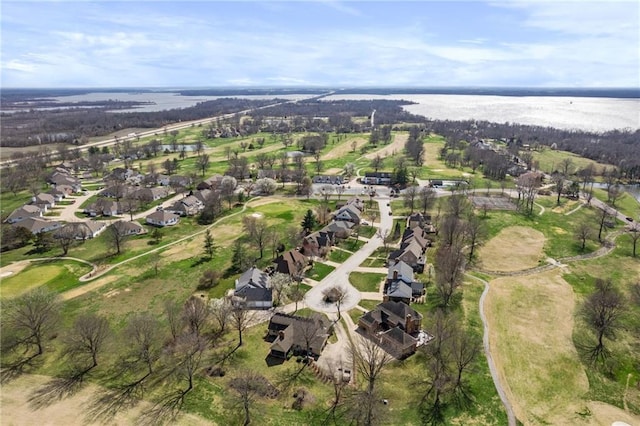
(163, 218)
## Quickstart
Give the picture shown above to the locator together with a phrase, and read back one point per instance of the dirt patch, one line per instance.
(333, 171)
(515, 248)
(531, 323)
(16, 410)
(93, 285)
(387, 151)
(344, 148)
(605, 414)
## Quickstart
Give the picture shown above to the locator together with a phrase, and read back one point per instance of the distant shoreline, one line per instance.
(588, 92)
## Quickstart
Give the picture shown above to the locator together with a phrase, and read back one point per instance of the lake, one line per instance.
(562, 112)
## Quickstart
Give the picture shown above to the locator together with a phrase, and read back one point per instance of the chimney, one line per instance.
(281, 335)
(408, 324)
(395, 274)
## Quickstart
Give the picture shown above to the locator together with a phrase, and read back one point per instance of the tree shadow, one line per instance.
(56, 389)
(17, 368)
(200, 261)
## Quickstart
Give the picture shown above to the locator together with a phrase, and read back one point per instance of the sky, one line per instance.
(56, 44)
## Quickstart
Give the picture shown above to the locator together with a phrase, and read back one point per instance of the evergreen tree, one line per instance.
(308, 222)
(208, 244)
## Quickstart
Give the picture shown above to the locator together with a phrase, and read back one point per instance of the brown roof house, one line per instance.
(292, 263)
(410, 253)
(318, 243)
(188, 206)
(394, 326)
(295, 335)
(253, 290)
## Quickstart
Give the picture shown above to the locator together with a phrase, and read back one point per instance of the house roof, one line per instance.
(24, 211)
(300, 331)
(399, 289)
(258, 294)
(405, 272)
(162, 216)
(36, 224)
(252, 278)
(338, 226)
(399, 337)
(288, 261)
(44, 198)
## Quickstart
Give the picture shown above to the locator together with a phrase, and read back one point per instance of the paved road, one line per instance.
(340, 276)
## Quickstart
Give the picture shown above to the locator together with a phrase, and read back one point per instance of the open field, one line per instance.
(57, 276)
(513, 249)
(549, 160)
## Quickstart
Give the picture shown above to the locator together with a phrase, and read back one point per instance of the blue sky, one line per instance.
(319, 43)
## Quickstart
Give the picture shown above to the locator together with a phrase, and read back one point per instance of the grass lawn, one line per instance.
(319, 271)
(549, 160)
(626, 204)
(337, 255)
(366, 281)
(57, 276)
(374, 262)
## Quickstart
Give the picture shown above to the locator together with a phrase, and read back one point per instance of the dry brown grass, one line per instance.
(16, 410)
(344, 148)
(515, 248)
(531, 323)
(388, 150)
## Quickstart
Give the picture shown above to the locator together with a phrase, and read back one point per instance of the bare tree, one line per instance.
(449, 272)
(335, 295)
(241, 319)
(279, 282)
(28, 320)
(221, 313)
(614, 193)
(634, 234)
(427, 197)
(85, 341)
(457, 205)
(475, 232)
(65, 237)
(377, 162)
(208, 279)
(117, 235)
(248, 387)
(603, 214)
(142, 339)
(172, 310)
(409, 195)
(583, 233)
(257, 230)
(369, 360)
(195, 314)
(203, 163)
(601, 311)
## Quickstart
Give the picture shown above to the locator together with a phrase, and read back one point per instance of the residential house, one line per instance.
(349, 213)
(412, 254)
(291, 263)
(377, 178)
(104, 207)
(295, 335)
(395, 326)
(36, 225)
(132, 228)
(57, 179)
(318, 243)
(400, 285)
(86, 230)
(418, 219)
(187, 206)
(44, 200)
(149, 194)
(339, 229)
(253, 290)
(179, 181)
(23, 213)
(162, 218)
(334, 180)
(210, 183)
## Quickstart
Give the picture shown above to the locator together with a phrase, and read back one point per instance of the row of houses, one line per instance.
(345, 218)
(394, 324)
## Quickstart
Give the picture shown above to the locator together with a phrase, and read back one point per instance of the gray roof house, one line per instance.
(253, 290)
(162, 218)
(36, 225)
(23, 213)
